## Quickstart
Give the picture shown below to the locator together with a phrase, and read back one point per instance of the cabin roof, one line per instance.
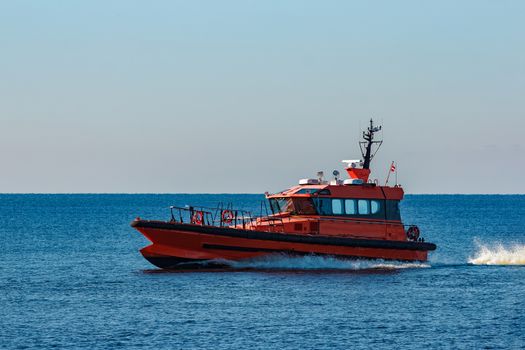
(369, 191)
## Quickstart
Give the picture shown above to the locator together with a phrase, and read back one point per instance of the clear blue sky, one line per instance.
(249, 96)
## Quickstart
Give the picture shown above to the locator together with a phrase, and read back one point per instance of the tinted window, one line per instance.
(304, 206)
(323, 206)
(350, 208)
(362, 206)
(337, 206)
(375, 207)
(392, 210)
(283, 205)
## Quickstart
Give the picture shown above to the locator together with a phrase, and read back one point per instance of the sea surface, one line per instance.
(71, 276)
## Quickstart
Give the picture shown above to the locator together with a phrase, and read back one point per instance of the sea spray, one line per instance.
(312, 262)
(498, 254)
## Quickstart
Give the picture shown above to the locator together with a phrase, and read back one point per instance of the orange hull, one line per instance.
(177, 245)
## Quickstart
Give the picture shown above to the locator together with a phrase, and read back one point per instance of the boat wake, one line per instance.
(499, 255)
(312, 262)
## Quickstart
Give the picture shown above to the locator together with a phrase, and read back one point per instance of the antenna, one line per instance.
(366, 146)
(320, 176)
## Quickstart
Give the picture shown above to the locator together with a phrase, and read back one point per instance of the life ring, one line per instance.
(198, 217)
(413, 233)
(227, 216)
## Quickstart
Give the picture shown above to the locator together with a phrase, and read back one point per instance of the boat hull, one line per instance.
(177, 245)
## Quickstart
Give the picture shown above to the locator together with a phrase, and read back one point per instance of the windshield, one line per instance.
(299, 206)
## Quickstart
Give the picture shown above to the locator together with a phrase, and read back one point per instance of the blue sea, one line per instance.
(71, 276)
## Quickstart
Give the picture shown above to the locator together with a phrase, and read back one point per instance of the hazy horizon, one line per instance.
(247, 97)
(236, 193)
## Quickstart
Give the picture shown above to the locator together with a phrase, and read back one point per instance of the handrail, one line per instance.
(213, 216)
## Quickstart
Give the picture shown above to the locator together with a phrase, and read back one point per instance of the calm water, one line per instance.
(72, 277)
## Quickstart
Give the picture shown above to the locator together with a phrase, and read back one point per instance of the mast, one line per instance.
(366, 146)
(360, 169)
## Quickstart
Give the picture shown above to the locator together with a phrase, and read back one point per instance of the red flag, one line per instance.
(393, 167)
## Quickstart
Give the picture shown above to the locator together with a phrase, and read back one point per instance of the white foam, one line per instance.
(311, 262)
(498, 254)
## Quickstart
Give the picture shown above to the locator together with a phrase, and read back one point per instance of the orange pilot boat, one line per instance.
(349, 219)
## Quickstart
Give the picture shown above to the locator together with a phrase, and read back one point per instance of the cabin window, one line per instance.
(304, 206)
(392, 210)
(337, 206)
(375, 207)
(350, 208)
(363, 207)
(281, 205)
(300, 206)
(323, 206)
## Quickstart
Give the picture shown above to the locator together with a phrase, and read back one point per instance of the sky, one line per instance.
(250, 96)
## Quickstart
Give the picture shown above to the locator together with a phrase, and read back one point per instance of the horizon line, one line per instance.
(237, 193)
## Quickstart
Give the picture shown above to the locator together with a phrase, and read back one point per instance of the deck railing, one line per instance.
(218, 216)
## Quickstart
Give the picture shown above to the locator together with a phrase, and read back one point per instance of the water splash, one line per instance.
(312, 262)
(499, 255)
